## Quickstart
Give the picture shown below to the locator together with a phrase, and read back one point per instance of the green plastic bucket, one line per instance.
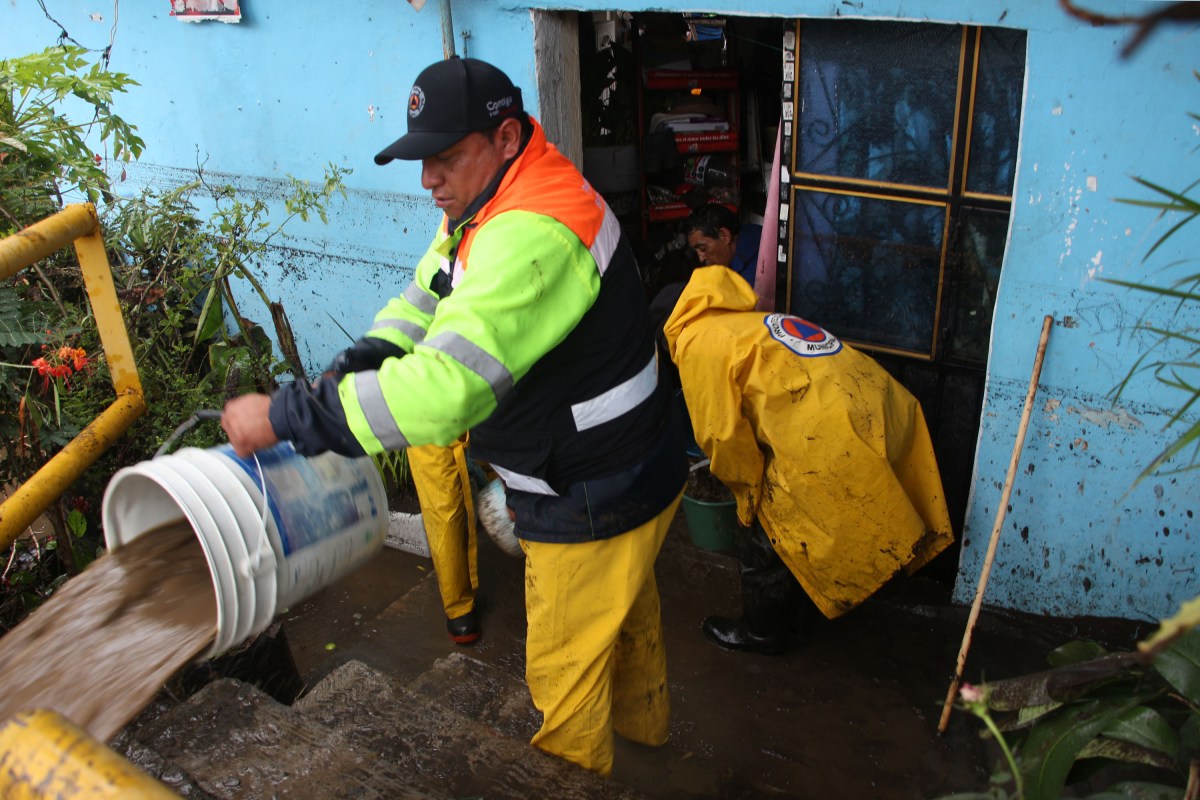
(711, 525)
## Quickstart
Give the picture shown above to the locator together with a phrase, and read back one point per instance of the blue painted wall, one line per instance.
(284, 93)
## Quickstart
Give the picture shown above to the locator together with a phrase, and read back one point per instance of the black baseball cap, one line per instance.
(449, 100)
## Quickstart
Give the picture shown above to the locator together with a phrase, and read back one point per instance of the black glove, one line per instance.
(367, 354)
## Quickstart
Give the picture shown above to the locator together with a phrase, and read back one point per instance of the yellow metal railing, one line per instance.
(43, 755)
(79, 224)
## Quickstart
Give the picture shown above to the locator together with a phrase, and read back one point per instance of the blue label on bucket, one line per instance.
(310, 500)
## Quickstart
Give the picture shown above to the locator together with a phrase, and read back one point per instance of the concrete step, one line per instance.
(234, 741)
(360, 734)
(455, 753)
(480, 691)
(500, 699)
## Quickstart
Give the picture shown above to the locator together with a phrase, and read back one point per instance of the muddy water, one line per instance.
(105, 643)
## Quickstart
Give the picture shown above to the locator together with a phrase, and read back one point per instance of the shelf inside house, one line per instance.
(665, 212)
(690, 121)
(691, 79)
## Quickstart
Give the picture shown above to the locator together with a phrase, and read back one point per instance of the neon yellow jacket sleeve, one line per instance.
(528, 283)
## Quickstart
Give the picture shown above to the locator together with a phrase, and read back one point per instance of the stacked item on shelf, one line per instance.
(698, 129)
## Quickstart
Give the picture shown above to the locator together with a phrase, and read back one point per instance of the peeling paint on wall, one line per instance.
(1105, 417)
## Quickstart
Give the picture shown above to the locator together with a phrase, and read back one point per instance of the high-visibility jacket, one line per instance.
(814, 438)
(528, 324)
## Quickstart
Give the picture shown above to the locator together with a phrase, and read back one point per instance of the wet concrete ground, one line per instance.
(850, 713)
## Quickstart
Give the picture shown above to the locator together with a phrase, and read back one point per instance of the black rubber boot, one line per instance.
(773, 602)
(732, 634)
(464, 630)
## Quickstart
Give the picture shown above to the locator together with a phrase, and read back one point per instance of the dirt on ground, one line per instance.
(849, 712)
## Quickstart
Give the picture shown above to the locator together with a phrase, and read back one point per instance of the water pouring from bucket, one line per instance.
(275, 527)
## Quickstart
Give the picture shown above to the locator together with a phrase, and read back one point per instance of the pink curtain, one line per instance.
(764, 278)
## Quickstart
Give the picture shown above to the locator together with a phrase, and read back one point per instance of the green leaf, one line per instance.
(1028, 715)
(210, 315)
(1074, 653)
(1061, 684)
(1145, 727)
(77, 522)
(1140, 736)
(1180, 666)
(22, 322)
(1125, 752)
(1189, 738)
(1051, 748)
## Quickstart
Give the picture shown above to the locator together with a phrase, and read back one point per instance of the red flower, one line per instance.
(60, 363)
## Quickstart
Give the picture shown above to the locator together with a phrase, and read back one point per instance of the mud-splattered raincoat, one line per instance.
(813, 437)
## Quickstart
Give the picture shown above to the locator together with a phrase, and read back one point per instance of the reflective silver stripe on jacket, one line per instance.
(617, 400)
(375, 409)
(523, 483)
(606, 240)
(420, 298)
(409, 329)
(476, 359)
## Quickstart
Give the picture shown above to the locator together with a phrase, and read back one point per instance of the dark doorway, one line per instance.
(899, 145)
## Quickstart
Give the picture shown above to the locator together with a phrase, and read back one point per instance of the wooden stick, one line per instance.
(1000, 512)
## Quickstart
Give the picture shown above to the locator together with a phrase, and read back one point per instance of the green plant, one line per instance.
(43, 153)
(194, 345)
(1174, 357)
(393, 467)
(1135, 714)
(174, 269)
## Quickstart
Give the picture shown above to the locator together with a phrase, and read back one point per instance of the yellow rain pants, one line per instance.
(814, 438)
(448, 512)
(594, 655)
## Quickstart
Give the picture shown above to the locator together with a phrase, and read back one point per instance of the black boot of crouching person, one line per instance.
(776, 611)
(734, 634)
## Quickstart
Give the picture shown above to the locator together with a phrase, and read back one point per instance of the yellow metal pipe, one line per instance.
(47, 484)
(44, 756)
(50, 235)
(102, 294)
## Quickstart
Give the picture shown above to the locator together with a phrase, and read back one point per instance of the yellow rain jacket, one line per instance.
(813, 437)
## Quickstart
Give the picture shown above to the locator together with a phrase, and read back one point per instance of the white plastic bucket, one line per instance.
(491, 507)
(325, 516)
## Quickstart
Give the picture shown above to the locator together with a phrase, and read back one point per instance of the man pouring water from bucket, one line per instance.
(527, 324)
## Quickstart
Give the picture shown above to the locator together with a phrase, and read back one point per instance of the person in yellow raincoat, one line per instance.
(443, 485)
(826, 454)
